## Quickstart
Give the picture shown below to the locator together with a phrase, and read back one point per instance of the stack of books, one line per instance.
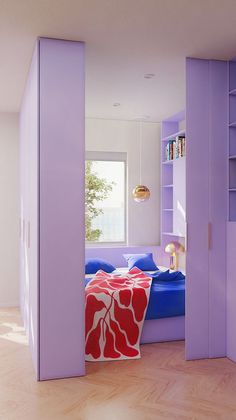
(175, 148)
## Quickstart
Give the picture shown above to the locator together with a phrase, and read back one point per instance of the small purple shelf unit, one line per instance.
(232, 142)
(171, 128)
(231, 228)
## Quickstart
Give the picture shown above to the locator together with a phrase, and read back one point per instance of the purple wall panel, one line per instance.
(179, 116)
(169, 127)
(231, 292)
(115, 254)
(197, 208)
(232, 206)
(218, 208)
(61, 209)
(232, 109)
(29, 209)
(232, 173)
(232, 141)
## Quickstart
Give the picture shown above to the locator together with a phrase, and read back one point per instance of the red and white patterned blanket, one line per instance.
(114, 315)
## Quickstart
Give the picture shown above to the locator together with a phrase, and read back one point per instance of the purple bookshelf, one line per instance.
(232, 143)
(231, 227)
(171, 128)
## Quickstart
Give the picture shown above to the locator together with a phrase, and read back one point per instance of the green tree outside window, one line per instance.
(96, 190)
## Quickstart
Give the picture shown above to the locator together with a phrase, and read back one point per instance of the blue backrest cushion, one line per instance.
(142, 261)
(167, 276)
(92, 265)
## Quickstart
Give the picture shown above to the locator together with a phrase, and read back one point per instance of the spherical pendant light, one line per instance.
(141, 193)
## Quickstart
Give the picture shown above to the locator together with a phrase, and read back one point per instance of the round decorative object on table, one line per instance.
(141, 193)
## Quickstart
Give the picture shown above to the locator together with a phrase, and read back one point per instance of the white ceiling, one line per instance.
(125, 39)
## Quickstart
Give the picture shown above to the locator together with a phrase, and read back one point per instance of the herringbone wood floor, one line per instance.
(159, 386)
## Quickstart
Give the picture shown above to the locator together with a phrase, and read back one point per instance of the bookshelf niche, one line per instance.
(173, 185)
(232, 143)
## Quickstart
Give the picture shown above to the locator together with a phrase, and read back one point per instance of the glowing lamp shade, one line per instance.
(141, 193)
(173, 248)
(170, 248)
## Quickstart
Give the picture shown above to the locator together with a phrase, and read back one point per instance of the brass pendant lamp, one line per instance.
(140, 192)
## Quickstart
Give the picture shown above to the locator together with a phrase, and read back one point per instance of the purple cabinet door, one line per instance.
(217, 207)
(206, 105)
(197, 208)
(231, 292)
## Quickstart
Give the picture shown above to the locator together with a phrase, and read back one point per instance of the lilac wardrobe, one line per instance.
(211, 208)
(52, 208)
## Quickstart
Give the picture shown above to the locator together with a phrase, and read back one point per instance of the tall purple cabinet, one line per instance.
(52, 208)
(231, 215)
(206, 209)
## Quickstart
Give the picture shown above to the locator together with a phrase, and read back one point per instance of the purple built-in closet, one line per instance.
(52, 208)
(206, 182)
(231, 216)
(211, 208)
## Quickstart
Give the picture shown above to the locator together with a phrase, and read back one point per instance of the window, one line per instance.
(105, 197)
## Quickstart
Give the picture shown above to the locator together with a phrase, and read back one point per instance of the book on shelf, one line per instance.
(175, 148)
(167, 151)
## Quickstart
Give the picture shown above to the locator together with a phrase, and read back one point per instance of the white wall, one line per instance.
(9, 215)
(123, 136)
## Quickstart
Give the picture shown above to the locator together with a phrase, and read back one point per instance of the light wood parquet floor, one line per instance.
(161, 385)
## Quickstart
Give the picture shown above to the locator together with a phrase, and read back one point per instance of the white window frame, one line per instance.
(112, 157)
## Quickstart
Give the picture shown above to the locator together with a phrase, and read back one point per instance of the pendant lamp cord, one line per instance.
(140, 152)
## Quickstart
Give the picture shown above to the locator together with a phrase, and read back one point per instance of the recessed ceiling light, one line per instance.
(116, 104)
(149, 75)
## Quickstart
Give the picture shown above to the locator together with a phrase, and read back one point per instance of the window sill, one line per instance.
(105, 244)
